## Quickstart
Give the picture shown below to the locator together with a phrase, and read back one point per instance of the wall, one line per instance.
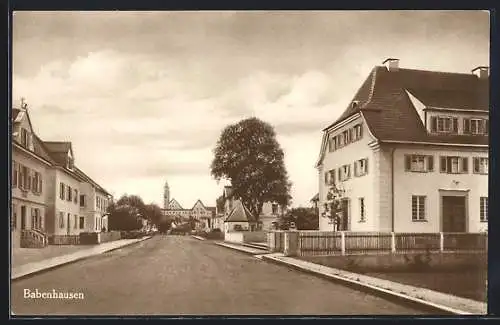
(66, 206)
(428, 184)
(229, 226)
(234, 236)
(355, 187)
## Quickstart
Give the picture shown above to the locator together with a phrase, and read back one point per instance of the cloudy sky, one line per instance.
(143, 96)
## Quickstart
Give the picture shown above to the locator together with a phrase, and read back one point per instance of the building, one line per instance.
(47, 186)
(269, 214)
(239, 219)
(410, 153)
(199, 213)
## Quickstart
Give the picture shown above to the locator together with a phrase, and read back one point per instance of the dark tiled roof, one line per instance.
(58, 150)
(390, 115)
(15, 112)
(84, 176)
(240, 214)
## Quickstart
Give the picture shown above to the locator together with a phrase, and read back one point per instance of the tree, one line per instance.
(333, 209)
(220, 204)
(305, 218)
(154, 213)
(248, 154)
(124, 213)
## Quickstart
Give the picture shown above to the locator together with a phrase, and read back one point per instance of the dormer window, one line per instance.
(444, 124)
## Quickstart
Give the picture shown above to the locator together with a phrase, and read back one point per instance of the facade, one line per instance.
(410, 153)
(47, 186)
(270, 211)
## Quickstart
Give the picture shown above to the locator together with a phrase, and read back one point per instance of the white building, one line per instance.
(410, 153)
(47, 186)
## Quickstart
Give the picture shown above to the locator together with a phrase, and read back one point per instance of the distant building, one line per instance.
(410, 153)
(201, 214)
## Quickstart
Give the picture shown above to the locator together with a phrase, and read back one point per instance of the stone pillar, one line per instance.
(393, 242)
(271, 241)
(441, 242)
(291, 243)
(342, 242)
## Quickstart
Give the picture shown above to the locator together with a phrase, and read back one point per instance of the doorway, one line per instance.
(454, 214)
(344, 221)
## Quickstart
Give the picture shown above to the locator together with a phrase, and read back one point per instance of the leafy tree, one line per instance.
(248, 154)
(333, 208)
(220, 204)
(305, 218)
(124, 213)
(154, 213)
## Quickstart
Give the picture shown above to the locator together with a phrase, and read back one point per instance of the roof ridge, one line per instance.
(372, 87)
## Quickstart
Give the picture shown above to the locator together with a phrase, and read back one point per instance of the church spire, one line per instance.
(166, 195)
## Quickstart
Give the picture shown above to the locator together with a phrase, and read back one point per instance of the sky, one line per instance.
(144, 96)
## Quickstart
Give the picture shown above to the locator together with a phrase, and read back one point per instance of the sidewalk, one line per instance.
(445, 302)
(437, 300)
(81, 253)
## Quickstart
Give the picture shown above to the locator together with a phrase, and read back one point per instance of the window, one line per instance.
(480, 165)
(69, 197)
(75, 224)
(82, 222)
(476, 126)
(82, 200)
(362, 209)
(13, 222)
(14, 174)
(37, 183)
(61, 219)
(419, 163)
(61, 190)
(454, 165)
(24, 138)
(344, 172)
(358, 132)
(330, 177)
(417, 208)
(483, 209)
(28, 179)
(97, 202)
(346, 138)
(275, 208)
(360, 167)
(332, 144)
(75, 197)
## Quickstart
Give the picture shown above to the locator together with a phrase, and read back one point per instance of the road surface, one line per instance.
(179, 275)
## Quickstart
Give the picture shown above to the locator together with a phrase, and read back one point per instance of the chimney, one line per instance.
(481, 72)
(391, 64)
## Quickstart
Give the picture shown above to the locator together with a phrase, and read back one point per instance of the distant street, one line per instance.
(171, 275)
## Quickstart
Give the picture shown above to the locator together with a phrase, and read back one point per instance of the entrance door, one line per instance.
(344, 222)
(23, 217)
(454, 218)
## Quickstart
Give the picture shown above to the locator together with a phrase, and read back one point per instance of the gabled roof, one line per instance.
(175, 203)
(240, 214)
(198, 201)
(389, 113)
(81, 174)
(58, 150)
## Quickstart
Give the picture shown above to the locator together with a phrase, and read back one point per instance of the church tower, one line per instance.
(166, 196)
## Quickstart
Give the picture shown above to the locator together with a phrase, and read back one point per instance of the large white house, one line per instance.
(410, 153)
(50, 195)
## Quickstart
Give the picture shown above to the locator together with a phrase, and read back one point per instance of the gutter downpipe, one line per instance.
(392, 188)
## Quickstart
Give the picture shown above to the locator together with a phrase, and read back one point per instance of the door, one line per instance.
(344, 221)
(23, 217)
(454, 216)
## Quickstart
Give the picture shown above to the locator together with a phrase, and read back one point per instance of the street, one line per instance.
(177, 275)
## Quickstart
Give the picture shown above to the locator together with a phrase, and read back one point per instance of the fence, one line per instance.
(245, 236)
(64, 240)
(308, 243)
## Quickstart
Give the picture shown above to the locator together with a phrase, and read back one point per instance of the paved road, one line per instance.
(173, 275)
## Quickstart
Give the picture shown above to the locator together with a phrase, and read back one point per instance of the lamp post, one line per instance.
(332, 205)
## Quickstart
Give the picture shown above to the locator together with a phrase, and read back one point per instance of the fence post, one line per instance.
(441, 242)
(393, 242)
(291, 243)
(342, 242)
(271, 238)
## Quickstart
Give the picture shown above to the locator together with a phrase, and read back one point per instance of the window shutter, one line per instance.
(430, 163)
(40, 185)
(465, 165)
(455, 125)
(28, 185)
(407, 163)
(350, 135)
(356, 167)
(360, 131)
(466, 125)
(486, 127)
(476, 164)
(14, 174)
(443, 165)
(332, 175)
(340, 174)
(326, 177)
(366, 166)
(434, 124)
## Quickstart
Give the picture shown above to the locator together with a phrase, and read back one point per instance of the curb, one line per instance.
(27, 275)
(221, 244)
(391, 295)
(198, 237)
